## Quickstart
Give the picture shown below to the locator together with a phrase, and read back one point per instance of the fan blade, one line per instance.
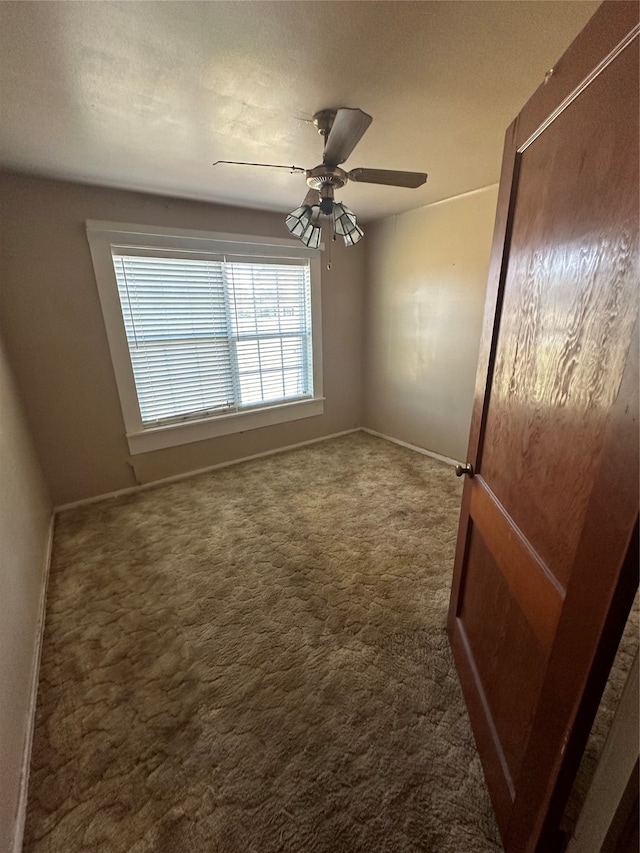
(346, 131)
(291, 169)
(390, 177)
(312, 198)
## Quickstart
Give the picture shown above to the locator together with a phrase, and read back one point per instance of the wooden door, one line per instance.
(546, 561)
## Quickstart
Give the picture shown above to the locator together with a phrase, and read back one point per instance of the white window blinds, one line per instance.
(211, 337)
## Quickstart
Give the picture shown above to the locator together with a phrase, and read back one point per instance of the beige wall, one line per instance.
(57, 344)
(426, 281)
(422, 309)
(25, 515)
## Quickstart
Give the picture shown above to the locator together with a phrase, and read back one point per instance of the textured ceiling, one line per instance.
(146, 95)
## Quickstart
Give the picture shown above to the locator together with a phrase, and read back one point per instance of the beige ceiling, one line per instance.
(146, 95)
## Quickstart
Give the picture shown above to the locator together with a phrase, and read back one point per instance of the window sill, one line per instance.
(172, 435)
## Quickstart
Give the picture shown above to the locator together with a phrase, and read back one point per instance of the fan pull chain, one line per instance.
(332, 240)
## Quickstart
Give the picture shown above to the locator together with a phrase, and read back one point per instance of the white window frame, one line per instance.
(104, 236)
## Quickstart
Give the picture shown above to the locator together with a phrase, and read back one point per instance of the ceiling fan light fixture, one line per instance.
(341, 129)
(354, 236)
(344, 223)
(311, 236)
(344, 219)
(298, 220)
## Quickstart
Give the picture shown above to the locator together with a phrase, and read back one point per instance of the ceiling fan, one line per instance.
(341, 129)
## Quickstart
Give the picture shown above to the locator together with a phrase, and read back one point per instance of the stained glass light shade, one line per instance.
(299, 222)
(311, 236)
(345, 224)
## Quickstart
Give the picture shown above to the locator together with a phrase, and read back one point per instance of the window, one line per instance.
(209, 334)
(209, 337)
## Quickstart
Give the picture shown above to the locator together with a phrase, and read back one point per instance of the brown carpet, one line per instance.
(254, 660)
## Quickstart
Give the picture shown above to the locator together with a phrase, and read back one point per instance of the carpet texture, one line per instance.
(254, 660)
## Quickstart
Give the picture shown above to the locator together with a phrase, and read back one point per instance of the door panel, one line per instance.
(544, 571)
(536, 591)
(500, 638)
(567, 317)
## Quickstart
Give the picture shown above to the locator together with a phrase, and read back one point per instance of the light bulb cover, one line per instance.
(298, 220)
(311, 236)
(344, 220)
(344, 223)
(300, 224)
(354, 236)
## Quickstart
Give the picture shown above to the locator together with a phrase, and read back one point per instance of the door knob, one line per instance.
(464, 469)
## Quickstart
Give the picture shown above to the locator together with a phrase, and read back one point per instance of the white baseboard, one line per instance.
(152, 485)
(446, 459)
(21, 810)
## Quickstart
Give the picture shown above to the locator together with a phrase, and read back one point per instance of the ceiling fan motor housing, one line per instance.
(323, 175)
(323, 120)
